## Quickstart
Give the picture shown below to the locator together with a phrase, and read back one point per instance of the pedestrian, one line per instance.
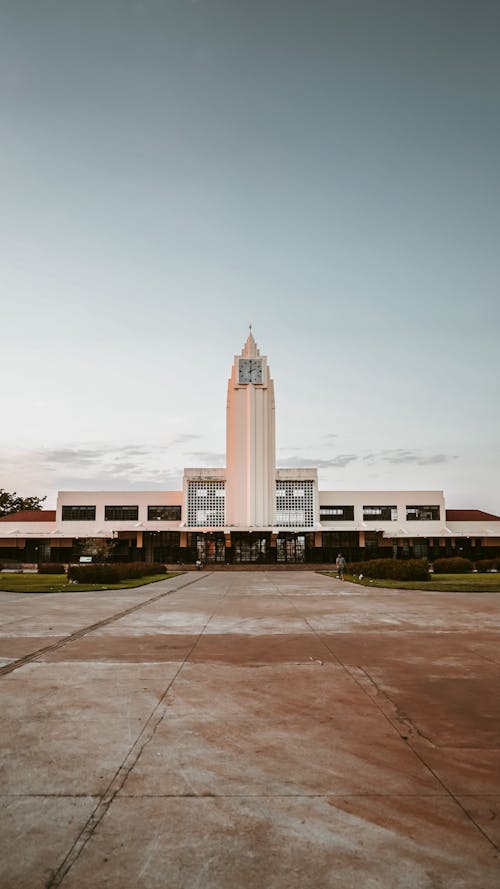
(340, 564)
(198, 564)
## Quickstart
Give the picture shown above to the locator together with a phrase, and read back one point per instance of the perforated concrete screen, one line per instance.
(295, 504)
(206, 504)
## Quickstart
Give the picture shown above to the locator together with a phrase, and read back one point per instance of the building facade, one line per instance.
(250, 511)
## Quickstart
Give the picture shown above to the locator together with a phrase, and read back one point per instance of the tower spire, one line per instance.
(250, 349)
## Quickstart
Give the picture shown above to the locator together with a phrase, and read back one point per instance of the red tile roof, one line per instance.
(470, 515)
(30, 515)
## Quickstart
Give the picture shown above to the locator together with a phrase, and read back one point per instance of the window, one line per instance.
(423, 513)
(248, 547)
(161, 546)
(121, 513)
(208, 547)
(420, 549)
(337, 513)
(291, 548)
(380, 513)
(294, 506)
(345, 542)
(164, 513)
(78, 513)
(205, 506)
(371, 543)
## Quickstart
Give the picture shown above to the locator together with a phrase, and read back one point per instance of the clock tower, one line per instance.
(250, 441)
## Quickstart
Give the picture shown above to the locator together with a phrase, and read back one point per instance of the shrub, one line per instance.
(51, 568)
(392, 569)
(114, 572)
(456, 565)
(483, 565)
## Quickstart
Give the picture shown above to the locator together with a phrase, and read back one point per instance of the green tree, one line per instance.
(11, 503)
(100, 549)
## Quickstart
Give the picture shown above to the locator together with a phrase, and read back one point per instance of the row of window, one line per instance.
(380, 513)
(121, 513)
(286, 516)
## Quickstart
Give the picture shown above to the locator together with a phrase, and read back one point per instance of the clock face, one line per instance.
(250, 371)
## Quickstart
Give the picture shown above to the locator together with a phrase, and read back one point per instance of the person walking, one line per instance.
(340, 565)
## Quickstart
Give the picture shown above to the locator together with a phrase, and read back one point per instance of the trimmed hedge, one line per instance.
(455, 565)
(484, 565)
(392, 569)
(113, 572)
(51, 568)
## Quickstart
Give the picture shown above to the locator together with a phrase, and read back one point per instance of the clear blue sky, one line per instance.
(329, 171)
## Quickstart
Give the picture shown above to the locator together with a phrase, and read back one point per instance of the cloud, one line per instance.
(393, 456)
(90, 455)
(326, 439)
(212, 458)
(183, 438)
(437, 458)
(121, 467)
(75, 456)
(104, 482)
(339, 461)
(400, 456)
(135, 450)
(43, 471)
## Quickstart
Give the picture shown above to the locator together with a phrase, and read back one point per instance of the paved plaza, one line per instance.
(269, 730)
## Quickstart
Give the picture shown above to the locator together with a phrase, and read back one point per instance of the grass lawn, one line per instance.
(58, 583)
(458, 583)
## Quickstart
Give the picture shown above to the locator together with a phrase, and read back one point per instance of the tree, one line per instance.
(11, 503)
(100, 549)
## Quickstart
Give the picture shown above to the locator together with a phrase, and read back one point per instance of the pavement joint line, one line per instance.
(454, 797)
(49, 795)
(79, 634)
(400, 718)
(327, 795)
(489, 660)
(144, 737)
(394, 726)
(465, 747)
(426, 740)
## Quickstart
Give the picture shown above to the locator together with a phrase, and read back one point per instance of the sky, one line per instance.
(172, 171)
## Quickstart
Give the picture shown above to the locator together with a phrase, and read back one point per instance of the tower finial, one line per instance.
(250, 349)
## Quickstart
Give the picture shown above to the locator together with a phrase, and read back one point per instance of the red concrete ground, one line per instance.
(234, 730)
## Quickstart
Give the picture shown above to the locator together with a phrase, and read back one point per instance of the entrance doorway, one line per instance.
(210, 547)
(291, 548)
(37, 551)
(249, 547)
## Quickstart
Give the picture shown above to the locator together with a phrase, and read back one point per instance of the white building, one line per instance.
(251, 510)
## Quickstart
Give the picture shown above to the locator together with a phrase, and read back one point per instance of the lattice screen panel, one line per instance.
(295, 504)
(206, 504)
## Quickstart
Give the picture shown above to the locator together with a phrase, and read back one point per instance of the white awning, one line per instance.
(425, 529)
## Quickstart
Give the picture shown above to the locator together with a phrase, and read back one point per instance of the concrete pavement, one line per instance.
(260, 730)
